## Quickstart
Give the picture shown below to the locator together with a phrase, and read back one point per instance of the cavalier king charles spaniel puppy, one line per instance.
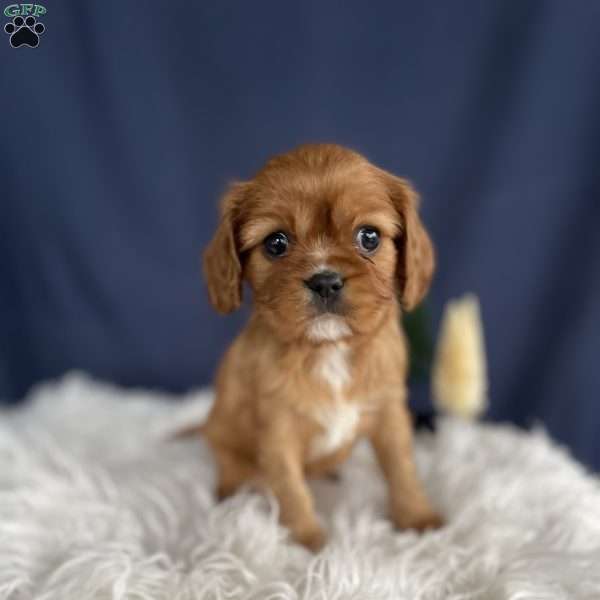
(332, 249)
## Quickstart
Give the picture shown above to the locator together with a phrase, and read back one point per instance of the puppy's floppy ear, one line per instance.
(416, 256)
(222, 267)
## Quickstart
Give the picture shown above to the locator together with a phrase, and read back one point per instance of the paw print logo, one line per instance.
(24, 32)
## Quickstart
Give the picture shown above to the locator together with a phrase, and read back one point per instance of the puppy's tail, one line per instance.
(187, 431)
(459, 373)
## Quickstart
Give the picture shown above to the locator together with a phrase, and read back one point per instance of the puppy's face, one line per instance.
(327, 242)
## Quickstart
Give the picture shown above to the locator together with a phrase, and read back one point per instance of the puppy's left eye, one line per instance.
(367, 239)
(276, 244)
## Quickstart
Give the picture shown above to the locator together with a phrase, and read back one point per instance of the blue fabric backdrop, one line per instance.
(123, 127)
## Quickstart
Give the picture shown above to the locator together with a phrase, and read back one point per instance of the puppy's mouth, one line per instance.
(326, 300)
(328, 327)
(328, 306)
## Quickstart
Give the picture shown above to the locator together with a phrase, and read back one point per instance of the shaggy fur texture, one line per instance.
(94, 504)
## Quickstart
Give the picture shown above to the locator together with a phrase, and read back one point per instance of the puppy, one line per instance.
(333, 249)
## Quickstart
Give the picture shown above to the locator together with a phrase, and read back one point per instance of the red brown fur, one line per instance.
(293, 396)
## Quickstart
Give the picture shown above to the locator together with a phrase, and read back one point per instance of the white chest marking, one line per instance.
(339, 422)
(339, 419)
(333, 366)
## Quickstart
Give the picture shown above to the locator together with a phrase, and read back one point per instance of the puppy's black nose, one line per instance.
(326, 284)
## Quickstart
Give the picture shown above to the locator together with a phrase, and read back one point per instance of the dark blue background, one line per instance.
(123, 127)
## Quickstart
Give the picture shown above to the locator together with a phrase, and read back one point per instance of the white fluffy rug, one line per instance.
(93, 504)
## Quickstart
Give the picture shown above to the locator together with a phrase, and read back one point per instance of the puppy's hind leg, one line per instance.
(328, 466)
(233, 472)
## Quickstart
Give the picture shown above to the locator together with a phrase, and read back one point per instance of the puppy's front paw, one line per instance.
(419, 518)
(312, 537)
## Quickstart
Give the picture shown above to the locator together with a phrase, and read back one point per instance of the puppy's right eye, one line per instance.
(367, 239)
(276, 244)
